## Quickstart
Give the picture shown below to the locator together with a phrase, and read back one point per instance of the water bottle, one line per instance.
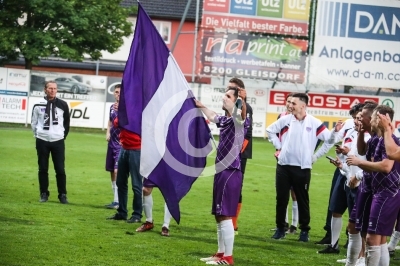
(239, 103)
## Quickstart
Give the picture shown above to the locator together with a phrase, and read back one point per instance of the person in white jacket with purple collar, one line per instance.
(299, 133)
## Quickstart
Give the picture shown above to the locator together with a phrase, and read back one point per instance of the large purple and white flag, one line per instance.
(156, 102)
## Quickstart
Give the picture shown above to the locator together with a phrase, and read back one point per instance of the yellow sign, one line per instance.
(296, 9)
(74, 104)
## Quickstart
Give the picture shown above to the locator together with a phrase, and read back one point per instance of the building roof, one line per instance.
(172, 9)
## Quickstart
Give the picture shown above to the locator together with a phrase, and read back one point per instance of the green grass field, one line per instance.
(33, 233)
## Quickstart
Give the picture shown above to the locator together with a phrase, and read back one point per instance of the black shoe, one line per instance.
(63, 198)
(346, 245)
(133, 220)
(303, 237)
(325, 241)
(329, 250)
(279, 234)
(116, 216)
(44, 197)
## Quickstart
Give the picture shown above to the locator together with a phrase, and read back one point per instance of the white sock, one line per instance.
(353, 249)
(336, 227)
(148, 207)
(385, 258)
(115, 190)
(373, 255)
(287, 218)
(228, 234)
(394, 240)
(295, 213)
(167, 216)
(221, 245)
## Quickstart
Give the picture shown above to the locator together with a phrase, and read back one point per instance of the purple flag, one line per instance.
(156, 102)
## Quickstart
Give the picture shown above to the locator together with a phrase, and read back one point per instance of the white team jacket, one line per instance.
(298, 140)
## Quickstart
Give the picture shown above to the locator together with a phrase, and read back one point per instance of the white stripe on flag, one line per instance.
(158, 114)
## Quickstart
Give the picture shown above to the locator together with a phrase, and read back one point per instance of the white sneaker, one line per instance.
(341, 261)
(360, 261)
(214, 257)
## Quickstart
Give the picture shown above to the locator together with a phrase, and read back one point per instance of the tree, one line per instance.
(68, 29)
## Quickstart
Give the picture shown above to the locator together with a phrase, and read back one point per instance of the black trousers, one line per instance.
(328, 219)
(243, 162)
(57, 151)
(287, 177)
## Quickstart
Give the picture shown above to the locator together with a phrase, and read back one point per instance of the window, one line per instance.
(164, 28)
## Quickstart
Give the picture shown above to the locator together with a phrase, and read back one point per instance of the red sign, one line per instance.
(319, 100)
(254, 24)
(216, 6)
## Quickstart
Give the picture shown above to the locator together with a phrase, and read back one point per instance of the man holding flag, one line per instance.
(228, 178)
(156, 103)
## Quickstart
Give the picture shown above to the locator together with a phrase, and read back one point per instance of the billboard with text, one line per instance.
(85, 95)
(14, 87)
(13, 108)
(267, 16)
(357, 43)
(253, 56)
(70, 86)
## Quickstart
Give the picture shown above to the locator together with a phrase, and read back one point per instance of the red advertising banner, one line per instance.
(253, 56)
(255, 24)
(319, 100)
(267, 16)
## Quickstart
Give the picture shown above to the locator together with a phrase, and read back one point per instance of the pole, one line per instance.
(313, 11)
(180, 25)
(97, 67)
(196, 28)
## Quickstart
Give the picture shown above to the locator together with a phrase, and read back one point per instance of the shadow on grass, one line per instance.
(91, 206)
(259, 241)
(256, 245)
(251, 237)
(14, 220)
(195, 230)
(78, 204)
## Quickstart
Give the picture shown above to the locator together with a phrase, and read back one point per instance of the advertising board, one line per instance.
(357, 43)
(14, 86)
(268, 16)
(253, 56)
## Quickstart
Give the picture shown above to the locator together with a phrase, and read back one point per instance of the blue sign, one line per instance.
(13, 93)
(359, 21)
(243, 7)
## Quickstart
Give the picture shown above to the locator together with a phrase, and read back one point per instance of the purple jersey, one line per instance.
(114, 131)
(381, 183)
(372, 143)
(231, 138)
